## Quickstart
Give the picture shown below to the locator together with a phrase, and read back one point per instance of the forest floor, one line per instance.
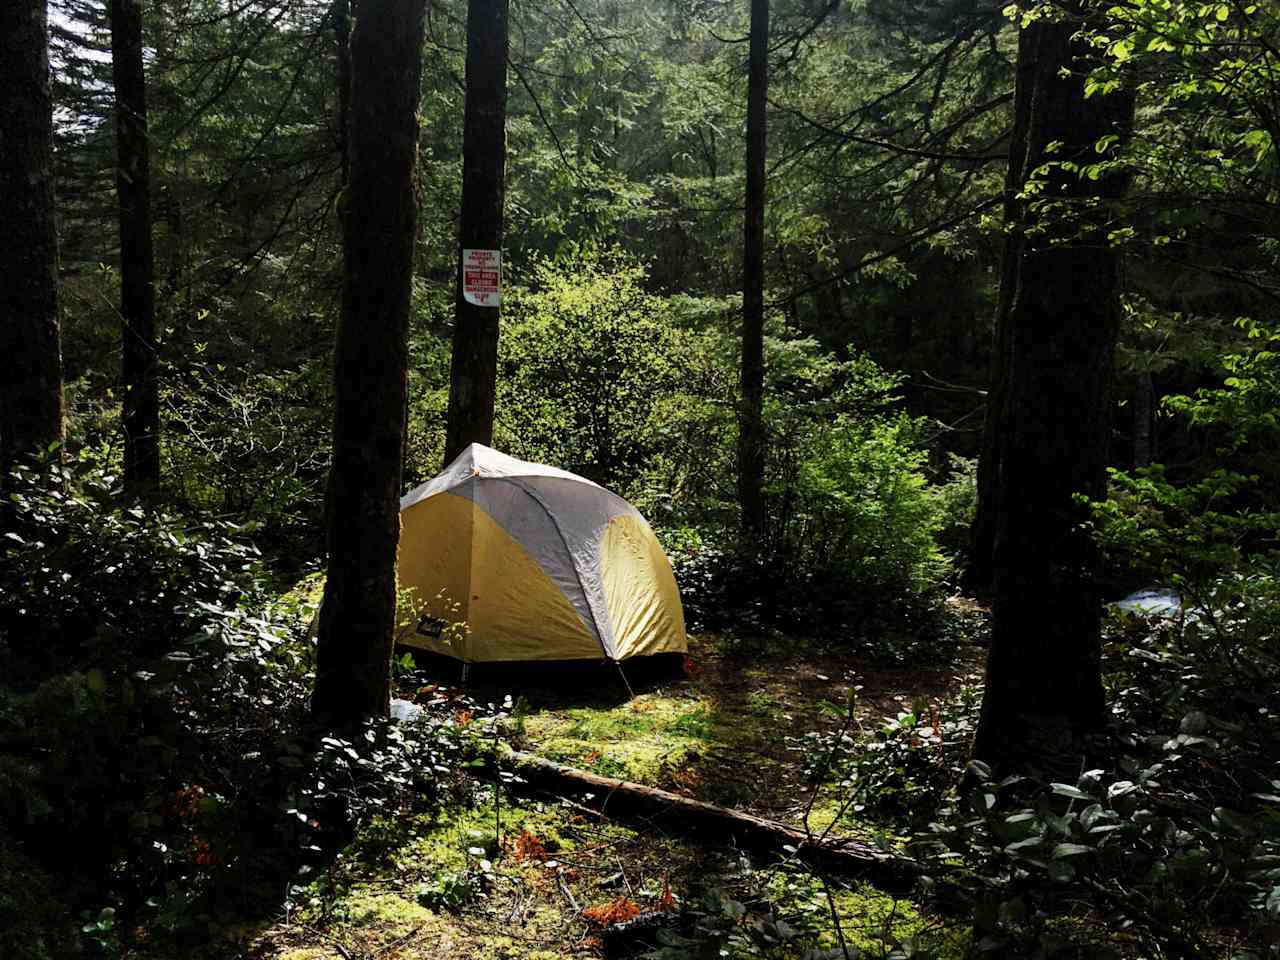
(541, 877)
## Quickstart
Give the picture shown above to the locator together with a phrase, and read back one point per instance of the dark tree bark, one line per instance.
(1043, 683)
(751, 439)
(474, 370)
(979, 572)
(31, 387)
(362, 502)
(342, 13)
(139, 359)
(1143, 404)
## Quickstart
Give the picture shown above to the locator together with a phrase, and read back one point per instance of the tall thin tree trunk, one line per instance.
(31, 387)
(139, 347)
(1043, 682)
(474, 370)
(751, 439)
(362, 503)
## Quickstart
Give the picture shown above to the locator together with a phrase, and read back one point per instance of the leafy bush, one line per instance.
(850, 551)
(590, 366)
(859, 508)
(956, 499)
(87, 577)
(1167, 852)
(155, 758)
(900, 769)
(1182, 535)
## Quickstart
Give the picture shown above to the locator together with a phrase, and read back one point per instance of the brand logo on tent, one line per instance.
(432, 627)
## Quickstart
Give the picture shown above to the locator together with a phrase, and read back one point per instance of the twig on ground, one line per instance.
(564, 888)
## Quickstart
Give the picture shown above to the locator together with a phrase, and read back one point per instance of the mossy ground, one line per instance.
(458, 887)
(516, 877)
(726, 726)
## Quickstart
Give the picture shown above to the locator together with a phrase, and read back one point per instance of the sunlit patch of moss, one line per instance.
(830, 813)
(635, 740)
(368, 920)
(309, 589)
(364, 905)
(448, 841)
(873, 921)
(306, 953)
(869, 919)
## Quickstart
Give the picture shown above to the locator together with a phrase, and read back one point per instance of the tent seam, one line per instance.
(578, 576)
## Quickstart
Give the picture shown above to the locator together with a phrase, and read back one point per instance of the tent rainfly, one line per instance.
(539, 563)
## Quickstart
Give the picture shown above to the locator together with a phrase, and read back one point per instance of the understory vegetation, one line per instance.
(161, 787)
(162, 790)
(166, 787)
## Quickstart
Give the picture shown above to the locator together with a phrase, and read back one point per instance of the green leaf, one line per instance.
(1233, 822)
(1070, 850)
(1090, 815)
(1066, 790)
(1273, 903)
(1061, 871)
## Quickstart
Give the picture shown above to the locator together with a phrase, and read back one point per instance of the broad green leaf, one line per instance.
(1070, 850)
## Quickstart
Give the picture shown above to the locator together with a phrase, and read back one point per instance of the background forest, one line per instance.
(160, 783)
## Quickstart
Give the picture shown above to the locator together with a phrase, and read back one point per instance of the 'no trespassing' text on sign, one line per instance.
(482, 277)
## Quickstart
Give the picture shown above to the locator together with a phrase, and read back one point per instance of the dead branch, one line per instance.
(623, 799)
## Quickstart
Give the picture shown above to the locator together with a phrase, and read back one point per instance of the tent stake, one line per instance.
(630, 693)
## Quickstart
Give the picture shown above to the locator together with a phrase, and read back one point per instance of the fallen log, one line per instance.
(623, 799)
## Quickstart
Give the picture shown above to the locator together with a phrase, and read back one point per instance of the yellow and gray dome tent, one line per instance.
(540, 564)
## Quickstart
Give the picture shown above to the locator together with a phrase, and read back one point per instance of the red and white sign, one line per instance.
(482, 277)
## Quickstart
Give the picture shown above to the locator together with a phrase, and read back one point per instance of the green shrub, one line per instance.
(88, 578)
(956, 499)
(155, 756)
(860, 509)
(34, 924)
(590, 369)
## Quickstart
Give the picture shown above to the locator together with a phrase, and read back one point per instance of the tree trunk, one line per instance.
(979, 572)
(139, 360)
(31, 388)
(751, 439)
(1043, 683)
(474, 370)
(1143, 403)
(342, 13)
(362, 503)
